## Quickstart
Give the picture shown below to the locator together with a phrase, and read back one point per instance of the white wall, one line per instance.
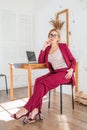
(16, 36)
(45, 10)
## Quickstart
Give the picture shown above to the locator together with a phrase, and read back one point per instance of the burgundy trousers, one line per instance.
(43, 84)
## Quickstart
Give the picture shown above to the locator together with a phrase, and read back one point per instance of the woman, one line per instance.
(61, 65)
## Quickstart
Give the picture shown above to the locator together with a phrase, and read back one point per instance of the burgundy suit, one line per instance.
(52, 79)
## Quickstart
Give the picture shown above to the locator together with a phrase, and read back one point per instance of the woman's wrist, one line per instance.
(43, 49)
(71, 69)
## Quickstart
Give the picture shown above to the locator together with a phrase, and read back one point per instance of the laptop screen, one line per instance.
(31, 56)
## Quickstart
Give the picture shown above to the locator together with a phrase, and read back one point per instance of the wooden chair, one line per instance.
(61, 97)
(3, 75)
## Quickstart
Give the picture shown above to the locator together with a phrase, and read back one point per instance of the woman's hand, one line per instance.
(69, 73)
(46, 44)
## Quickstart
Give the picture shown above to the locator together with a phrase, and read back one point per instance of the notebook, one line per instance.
(31, 57)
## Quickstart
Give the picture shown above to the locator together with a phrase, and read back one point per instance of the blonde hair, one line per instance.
(57, 26)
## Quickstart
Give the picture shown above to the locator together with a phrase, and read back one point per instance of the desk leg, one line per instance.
(76, 77)
(29, 83)
(11, 83)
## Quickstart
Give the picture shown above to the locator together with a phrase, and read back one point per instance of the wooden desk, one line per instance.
(76, 77)
(30, 67)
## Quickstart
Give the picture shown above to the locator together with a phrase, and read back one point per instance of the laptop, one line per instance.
(31, 57)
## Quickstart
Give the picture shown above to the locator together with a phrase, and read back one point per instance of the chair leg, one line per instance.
(49, 100)
(61, 99)
(6, 84)
(72, 98)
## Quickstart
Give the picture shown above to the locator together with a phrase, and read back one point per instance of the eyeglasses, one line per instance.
(52, 35)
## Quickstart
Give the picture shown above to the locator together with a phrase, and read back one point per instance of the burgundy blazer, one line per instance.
(67, 55)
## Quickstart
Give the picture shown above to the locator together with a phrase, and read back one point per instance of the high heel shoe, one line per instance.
(17, 118)
(30, 120)
(40, 116)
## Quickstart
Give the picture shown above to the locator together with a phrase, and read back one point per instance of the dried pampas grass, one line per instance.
(57, 24)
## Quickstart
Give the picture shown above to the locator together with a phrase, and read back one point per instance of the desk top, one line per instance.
(19, 65)
(27, 65)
